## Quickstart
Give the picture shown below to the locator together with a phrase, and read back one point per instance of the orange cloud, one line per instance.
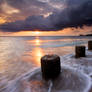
(2, 20)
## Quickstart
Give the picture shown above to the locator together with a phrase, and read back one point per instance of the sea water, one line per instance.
(21, 55)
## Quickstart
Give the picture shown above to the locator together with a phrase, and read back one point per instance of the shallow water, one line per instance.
(20, 55)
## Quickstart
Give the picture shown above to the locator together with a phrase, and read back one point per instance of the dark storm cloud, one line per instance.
(31, 23)
(76, 14)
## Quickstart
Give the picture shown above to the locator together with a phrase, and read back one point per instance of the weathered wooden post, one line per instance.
(50, 66)
(89, 45)
(80, 51)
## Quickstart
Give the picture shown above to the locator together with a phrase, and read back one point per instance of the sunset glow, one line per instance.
(54, 18)
(64, 32)
(2, 20)
(38, 39)
(37, 33)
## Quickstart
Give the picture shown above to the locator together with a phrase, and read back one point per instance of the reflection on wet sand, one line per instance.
(37, 54)
(37, 42)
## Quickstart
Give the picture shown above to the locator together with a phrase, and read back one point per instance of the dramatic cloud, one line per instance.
(20, 9)
(31, 23)
(48, 15)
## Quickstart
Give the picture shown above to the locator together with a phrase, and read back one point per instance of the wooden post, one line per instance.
(50, 66)
(89, 45)
(80, 51)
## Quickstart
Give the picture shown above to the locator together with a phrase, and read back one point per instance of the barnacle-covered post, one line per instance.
(89, 45)
(80, 51)
(50, 66)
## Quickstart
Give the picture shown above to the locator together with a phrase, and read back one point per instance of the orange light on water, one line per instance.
(37, 54)
(34, 56)
(37, 42)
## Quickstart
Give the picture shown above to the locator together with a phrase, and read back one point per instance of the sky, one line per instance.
(45, 17)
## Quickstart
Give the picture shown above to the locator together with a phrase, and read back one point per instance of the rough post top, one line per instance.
(90, 41)
(50, 57)
(80, 46)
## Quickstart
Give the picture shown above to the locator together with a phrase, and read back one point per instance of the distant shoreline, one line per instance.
(86, 35)
(50, 36)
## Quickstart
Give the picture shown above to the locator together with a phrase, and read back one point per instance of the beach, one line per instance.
(45, 45)
(20, 56)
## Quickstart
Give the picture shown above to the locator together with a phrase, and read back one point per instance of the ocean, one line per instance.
(19, 55)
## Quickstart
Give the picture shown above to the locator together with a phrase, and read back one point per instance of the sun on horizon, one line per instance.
(37, 32)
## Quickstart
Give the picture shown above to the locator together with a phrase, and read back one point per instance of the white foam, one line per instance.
(79, 72)
(50, 85)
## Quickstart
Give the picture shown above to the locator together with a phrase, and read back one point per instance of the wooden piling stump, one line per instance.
(89, 45)
(80, 51)
(50, 66)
